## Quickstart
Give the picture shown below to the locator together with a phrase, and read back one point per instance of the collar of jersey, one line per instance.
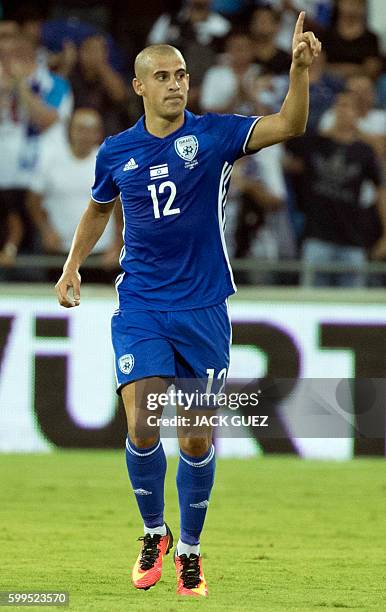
(141, 126)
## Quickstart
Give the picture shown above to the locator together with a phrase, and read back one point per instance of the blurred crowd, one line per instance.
(65, 75)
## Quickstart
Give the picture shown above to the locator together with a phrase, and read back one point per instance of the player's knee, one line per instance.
(140, 433)
(141, 440)
(195, 447)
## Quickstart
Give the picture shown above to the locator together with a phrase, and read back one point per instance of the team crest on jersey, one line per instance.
(126, 363)
(186, 147)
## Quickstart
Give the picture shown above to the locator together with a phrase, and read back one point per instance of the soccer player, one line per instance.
(171, 171)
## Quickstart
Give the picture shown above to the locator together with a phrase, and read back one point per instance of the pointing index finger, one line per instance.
(299, 24)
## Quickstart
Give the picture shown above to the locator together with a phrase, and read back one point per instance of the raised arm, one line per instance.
(40, 113)
(90, 229)
(291, 120)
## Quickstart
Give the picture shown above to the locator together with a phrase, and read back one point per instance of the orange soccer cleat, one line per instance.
(147, 569)
(190, 577)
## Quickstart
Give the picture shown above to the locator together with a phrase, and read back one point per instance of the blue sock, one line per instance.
(147, 469)
(195, 477)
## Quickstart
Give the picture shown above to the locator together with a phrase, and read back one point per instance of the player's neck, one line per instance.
(161, 127)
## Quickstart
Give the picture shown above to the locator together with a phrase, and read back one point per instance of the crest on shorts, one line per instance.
(126, 363)
(186, 147)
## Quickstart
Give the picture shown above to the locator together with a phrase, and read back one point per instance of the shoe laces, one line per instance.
(190, 572)
(150, 552)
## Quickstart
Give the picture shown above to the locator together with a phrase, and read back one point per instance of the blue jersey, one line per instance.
(173, 192)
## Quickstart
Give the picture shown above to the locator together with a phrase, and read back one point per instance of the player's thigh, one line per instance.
(143, 357)
(140, 347)
(202, 362)
(140, 399)
(203, 346)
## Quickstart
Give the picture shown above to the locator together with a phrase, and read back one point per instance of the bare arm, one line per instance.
(113, 84)
(16, 229)
(258, 192)
(111, 256)
(36, 210)
(40, 113)
(14, 237)
(98, 63)
(291, 120)
(65, 60)
(51, 240)
(89, 230)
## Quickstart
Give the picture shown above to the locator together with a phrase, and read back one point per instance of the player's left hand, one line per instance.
(305, 45)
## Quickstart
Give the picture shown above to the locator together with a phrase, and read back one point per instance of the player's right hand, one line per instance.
(70, 279)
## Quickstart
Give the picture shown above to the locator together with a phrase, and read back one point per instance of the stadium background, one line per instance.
(285, 323)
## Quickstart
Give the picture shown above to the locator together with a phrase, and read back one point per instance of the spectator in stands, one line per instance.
(258, 185)
(56, 198)
(230, 87)
(30, 23)
(32, 98)
(350, 46)
(50, 37)
(372, 121)
(97, 85)
(199, 33)
(249, 199)
(264, 27)
(195, 21)
(32, 103)
(324, 88)
(257, 217)
(269, 92)
(334, 166)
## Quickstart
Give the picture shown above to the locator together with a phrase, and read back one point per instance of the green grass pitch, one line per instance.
(281, 534)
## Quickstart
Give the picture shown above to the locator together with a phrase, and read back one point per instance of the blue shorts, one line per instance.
(172, 344)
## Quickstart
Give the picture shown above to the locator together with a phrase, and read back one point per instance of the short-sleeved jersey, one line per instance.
(173, 192)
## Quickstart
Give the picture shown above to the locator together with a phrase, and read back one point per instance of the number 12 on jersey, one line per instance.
(167, 210)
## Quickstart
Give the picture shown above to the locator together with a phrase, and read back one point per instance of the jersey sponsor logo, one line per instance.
(187, 147)
(126, 363)
(130, 165)
(142, 492)
(160, 171)
(201, 504)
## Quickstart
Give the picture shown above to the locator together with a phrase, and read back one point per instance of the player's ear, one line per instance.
(137, 86)
(187, 80)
